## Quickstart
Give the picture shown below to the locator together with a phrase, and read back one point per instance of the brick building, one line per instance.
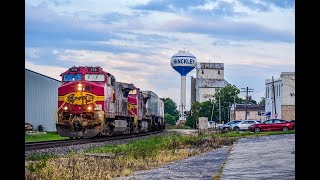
(254, 112)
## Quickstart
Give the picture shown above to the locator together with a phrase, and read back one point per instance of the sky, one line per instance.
(135, 39)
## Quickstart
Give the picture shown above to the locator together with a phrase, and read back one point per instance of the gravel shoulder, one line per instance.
(264, 157)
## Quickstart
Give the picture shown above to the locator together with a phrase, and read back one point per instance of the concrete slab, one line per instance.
(264, 157)
(203, 166)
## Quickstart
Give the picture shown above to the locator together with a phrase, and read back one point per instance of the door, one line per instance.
(266, 126)
(277, 125)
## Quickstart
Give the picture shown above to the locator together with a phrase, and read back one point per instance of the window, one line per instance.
(219, 72)
(94, 77)
(202, 72)
(277, 121)
(279, 90)
(250, 122)
(268, 122)
(72, 77)
(266, 92)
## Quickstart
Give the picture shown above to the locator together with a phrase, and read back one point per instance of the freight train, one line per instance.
(91, 102)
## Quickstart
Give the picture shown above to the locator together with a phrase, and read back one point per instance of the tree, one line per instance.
(227, 95)
(170, 107)
(262, 101)
(169, 119)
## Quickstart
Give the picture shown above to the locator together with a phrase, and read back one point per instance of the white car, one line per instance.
(243, 125)
(228, 124)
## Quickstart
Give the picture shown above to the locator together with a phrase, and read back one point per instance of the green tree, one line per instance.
(262, 101)
(169, 119)
(170, 107)
(228, 95)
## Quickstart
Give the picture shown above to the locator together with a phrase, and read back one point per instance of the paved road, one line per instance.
(203, 166)
(266, 157)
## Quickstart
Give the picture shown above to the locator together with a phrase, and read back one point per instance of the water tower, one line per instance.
(183, 62)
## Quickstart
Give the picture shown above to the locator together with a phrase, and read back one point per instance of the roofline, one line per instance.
(42, 74)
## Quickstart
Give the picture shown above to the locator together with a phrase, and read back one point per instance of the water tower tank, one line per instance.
(183, 62)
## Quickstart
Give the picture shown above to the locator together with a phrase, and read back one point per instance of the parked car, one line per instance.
(214, 125)
(243, 125)
(228, 124)
(272, 125)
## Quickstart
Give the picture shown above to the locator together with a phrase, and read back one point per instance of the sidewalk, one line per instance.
(264, 157)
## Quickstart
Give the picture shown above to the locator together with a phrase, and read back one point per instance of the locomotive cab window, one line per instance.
(94, 77)
(72, 77)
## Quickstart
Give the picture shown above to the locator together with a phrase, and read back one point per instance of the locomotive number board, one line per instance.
(93, 69)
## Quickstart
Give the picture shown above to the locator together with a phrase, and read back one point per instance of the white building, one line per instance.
(209, 78)
(283, 91)
(41, 100)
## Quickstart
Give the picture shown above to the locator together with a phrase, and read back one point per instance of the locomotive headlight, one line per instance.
(65, 108)
(79, 87)
(89, 108)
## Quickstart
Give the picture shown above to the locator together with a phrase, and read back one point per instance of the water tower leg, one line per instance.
(182, 107)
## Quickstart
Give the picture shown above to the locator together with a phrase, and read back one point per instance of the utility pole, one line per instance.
(212, 114)
(247, 90)
(219, 110)
(274, 98)
(212, 109)
(234, 108)
(194, 114)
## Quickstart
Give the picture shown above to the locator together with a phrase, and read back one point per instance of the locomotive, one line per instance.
(92, 103)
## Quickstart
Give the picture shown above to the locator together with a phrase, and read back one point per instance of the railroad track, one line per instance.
(68, 142)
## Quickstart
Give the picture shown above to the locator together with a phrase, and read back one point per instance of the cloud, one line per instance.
(134, 40)
(51, 71)
(31, 53)
(169, 5)
(229, 30)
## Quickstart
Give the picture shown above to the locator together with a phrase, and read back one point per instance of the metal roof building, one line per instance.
(41, 100)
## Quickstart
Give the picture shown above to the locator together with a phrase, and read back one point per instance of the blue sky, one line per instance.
(134, 40)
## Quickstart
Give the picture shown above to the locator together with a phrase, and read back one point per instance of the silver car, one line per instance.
(243, 125)
(228, 124)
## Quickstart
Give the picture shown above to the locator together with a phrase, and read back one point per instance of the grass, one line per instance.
(134, 156)
(39, 157)
(127, 158)
(50, 136)
(178, 127)
(253, 134)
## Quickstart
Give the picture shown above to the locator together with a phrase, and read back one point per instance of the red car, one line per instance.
(272, 125)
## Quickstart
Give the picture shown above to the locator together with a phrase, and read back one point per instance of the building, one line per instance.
(254, 112)
(280, 97)
(41, 100)
(209, 78)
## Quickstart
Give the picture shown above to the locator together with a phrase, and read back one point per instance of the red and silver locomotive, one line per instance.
(92, 103)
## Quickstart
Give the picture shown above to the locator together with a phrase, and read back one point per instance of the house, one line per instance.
(254, 112)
